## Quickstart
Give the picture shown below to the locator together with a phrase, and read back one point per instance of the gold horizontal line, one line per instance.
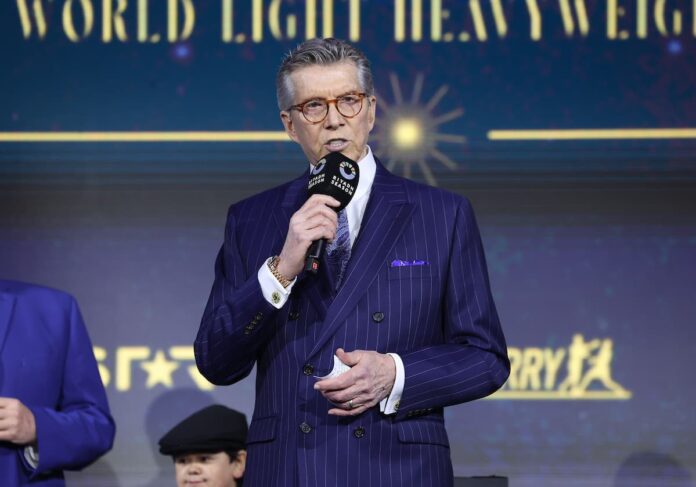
(593, 134)
(280, 136)
(562, 396)
(250, 136)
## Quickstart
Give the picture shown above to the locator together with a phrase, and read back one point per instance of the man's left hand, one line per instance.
(17, 424)
(369, 380)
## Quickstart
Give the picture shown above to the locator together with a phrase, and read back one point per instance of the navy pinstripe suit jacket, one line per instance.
(439, 317)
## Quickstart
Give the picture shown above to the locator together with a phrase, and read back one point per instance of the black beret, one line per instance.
(213, 429)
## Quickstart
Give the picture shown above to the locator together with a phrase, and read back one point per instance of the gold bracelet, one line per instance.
(273, 266)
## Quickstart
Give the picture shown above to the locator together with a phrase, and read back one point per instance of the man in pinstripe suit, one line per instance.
(411, 314)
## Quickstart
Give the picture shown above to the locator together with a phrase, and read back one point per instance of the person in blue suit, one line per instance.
(54, 414)
(402, 302)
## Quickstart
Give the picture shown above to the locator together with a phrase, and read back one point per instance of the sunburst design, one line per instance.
(407, 130)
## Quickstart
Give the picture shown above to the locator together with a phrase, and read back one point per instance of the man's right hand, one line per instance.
(315, 220)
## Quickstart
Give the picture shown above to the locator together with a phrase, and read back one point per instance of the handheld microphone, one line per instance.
(337, 176)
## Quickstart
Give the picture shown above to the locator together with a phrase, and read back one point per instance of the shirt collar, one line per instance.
(368, 168)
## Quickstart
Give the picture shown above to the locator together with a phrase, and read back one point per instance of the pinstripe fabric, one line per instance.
(439, 317)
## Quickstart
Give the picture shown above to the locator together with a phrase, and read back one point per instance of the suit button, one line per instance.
(377, 316)
(293, 315)
(308, 369)
(359, 432)
(305, 428)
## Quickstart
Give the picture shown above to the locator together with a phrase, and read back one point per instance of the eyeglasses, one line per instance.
(316, 110)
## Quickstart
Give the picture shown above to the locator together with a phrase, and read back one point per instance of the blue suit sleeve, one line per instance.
(472, 363)
(80, 428)
(237, 320)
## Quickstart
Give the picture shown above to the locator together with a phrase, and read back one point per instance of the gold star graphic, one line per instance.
(408, 130)
(159, 370)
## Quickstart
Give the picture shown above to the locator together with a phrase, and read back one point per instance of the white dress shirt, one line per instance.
(354, 211)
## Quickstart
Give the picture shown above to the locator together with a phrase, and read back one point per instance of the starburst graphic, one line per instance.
(408, 130)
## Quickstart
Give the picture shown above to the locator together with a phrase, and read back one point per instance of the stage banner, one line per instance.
(127, 127)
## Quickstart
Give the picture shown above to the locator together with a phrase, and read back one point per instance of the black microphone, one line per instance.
(337, 176)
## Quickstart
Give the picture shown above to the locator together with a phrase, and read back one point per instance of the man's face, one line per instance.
(335, 133)
(209, 469)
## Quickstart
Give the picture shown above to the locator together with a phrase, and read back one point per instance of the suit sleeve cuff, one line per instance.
(273, 291)
(390, 405)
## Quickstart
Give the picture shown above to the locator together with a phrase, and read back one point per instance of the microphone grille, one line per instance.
(335, 175)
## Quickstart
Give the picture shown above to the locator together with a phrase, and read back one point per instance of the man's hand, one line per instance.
(315, 220)
(17, 423)
(370, 380)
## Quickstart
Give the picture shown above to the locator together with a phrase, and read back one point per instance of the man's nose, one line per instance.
(193, 468)
(333, 117)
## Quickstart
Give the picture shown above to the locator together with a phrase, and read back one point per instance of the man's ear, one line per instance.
(372, 111)
(288, 124)
(239, 464)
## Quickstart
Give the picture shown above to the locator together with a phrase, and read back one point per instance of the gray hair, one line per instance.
(320, 52)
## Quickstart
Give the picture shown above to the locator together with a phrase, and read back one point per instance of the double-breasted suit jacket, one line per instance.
(416, 285)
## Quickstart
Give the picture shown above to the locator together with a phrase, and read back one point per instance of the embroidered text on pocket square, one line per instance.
(408, 263)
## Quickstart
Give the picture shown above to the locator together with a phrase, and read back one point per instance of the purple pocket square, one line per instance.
(408, 263)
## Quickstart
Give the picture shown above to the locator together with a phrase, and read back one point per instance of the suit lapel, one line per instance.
(7, 302)
(295, 195)
(387, 213)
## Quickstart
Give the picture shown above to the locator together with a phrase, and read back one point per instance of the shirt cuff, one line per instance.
(390, 405)
(31, 455)
(272, 289)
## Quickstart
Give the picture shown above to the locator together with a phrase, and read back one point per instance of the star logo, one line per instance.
(159, 370)
(408, 130)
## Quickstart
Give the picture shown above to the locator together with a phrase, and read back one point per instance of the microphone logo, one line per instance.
(318, 167)
(347, 170)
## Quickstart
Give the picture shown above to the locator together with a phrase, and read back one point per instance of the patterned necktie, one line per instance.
(338, 251)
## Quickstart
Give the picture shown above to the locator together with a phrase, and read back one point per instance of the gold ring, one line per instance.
(350, 404)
